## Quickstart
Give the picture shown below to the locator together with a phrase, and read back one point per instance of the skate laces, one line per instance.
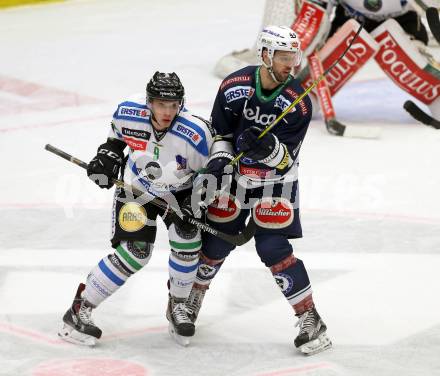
(195, 300)
(85, 314)
(307, 322)
(180, 313)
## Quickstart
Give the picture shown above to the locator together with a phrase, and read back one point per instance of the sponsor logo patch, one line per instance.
(94, 281)
(189, 133)
(401, 68)
(132, 112)
(255, 173)
(206, 271)
(135, 144)
(181, 162)
(284, 282)
(153, 170)
(136, 133)
(284, 162)
(282, 102)
(254, 115)
(224, 208)
(302, 104)
(132, 217)
(273, 213)
(237, 92)
(140, 250)
(235, 80)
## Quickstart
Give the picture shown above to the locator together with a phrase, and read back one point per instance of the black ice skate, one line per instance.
(194, 303)
(78, 326)
(180, 327)
(312, 337)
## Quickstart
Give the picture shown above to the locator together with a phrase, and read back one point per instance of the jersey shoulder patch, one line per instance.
(192, 130)
(132, 111)
(294, 90)
(243, 76)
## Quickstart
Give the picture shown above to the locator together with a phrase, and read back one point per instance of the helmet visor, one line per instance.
(288, 58)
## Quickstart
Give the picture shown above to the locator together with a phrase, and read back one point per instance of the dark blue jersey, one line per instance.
(241, 103)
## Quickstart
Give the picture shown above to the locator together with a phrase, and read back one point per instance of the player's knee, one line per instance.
(272, 248)
(184, 242)
(133, 255)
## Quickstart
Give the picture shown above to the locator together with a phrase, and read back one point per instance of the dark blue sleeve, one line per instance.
(223, 116)
(292, 129)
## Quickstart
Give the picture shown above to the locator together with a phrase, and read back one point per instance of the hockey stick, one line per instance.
(238, 239)
(325, 100)
(306, 92)
(432, 16)
(417, 113)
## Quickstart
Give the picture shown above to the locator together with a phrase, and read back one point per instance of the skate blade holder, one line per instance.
(69, 334)
(181, 340)
(317, 345)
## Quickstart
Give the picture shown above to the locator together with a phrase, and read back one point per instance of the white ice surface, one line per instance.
(370, 209)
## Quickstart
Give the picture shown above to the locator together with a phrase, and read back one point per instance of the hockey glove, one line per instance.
(258, 149)
(181, 222)
(216, 172)
(106, 164)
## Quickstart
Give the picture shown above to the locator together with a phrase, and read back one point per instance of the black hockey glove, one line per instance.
(106, 164)
(257, 149)
(181, 222)
(216, 172)
(217, 165)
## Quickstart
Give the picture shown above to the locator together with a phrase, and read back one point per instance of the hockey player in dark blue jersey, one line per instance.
(264, 182)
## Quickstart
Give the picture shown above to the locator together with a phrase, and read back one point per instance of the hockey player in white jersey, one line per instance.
(166, 145)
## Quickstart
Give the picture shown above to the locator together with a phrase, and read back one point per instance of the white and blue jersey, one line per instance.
(163, 162)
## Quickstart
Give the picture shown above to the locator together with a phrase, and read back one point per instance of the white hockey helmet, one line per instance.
(278, 38)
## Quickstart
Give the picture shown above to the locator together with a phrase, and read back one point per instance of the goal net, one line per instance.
(276, 12)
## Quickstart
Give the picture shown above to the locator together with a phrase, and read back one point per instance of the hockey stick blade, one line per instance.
(358, 131)
(237, 239)
(433, 19)
(417, 113)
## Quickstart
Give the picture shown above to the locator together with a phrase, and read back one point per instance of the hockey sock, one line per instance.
(112, 271)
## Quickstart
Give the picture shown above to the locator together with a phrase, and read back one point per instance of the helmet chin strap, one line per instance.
(271, 73)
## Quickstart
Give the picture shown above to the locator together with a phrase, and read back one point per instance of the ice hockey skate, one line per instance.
(194, 303)
(180, 327)
(312, 337)
(78, 327)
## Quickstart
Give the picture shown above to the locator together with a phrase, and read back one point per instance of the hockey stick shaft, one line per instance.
(432, 16)
(238, 239)
(300, 98)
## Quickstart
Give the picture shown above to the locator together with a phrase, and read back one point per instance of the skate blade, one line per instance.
(317, 345)
(69, 334)
(181, 340)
